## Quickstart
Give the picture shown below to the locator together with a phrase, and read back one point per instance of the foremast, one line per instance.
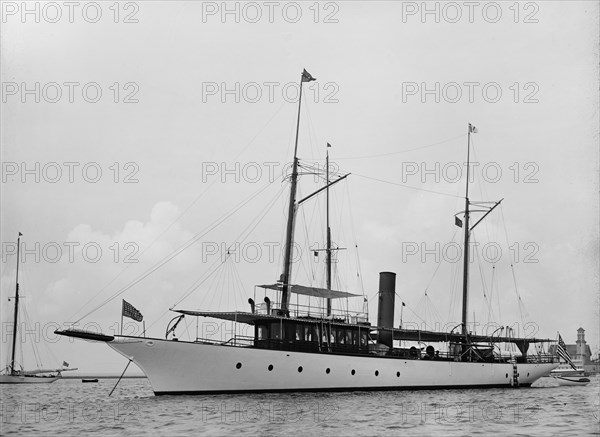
(289, 235)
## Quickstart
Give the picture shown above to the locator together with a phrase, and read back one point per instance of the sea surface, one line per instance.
(72, 408)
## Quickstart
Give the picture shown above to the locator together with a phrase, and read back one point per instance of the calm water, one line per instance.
(69, 408)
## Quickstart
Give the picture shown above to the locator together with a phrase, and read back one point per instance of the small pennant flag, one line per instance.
(328, 145)
(306, 77)
(457, 222)
(561, 350)
(65, 364)
(131, 312)
(472, 129)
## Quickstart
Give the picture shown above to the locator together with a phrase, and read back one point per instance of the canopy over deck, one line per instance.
(311, 291)
(252, 318)
(455, 337)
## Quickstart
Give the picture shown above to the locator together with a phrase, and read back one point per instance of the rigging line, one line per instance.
(175, 253)
(406, 186)
(439, 264)
(239, 239)
(482, 192)
(310, 272)
(312, 131)
(358, 269)
(28, 325)
(520, 302)
(406, 150)
(240, 283)
(491, 316)
(277, 111)
(185, 211)
(417, 316)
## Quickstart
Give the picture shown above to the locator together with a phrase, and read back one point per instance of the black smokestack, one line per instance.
(385, 309)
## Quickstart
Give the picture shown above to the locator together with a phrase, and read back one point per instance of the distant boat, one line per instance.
(14, 375)
(571, 380)
(566, 370)
(90, 380)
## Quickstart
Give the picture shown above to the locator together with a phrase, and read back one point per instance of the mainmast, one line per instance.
(289, 237)
(16, 315)
(472, 129)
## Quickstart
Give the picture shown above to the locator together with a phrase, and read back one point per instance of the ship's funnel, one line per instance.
(385, 309)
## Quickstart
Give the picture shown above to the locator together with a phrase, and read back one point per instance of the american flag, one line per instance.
(561, 350)
(131, 312)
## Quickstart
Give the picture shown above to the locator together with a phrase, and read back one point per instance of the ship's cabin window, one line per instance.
(276, 330)
(363, 339)
(261, 332)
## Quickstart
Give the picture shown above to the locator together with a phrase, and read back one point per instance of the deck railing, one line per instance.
(298, 311)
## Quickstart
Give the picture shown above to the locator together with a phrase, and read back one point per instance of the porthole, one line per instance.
(398, 374)
(300, 369)
(353, 371)
(270, 367)
(377, 373)
(238, 366)
(507, 375)
(327, 370)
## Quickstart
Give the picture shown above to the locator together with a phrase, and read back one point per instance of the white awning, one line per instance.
(312, 291)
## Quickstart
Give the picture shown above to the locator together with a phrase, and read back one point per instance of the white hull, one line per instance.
(26, 379)
(177, 367)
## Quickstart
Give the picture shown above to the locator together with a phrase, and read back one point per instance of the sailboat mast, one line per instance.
(328, 260)
(289, 236)
(15, 321)
(466, 243)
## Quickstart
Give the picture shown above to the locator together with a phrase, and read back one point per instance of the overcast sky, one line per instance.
(117, 124)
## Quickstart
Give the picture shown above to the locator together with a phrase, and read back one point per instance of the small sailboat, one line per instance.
(14, 373)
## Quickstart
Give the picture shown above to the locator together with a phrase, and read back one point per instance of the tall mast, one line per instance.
(289, 237)
(466, 244)
(14, 342)
(328, 259)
